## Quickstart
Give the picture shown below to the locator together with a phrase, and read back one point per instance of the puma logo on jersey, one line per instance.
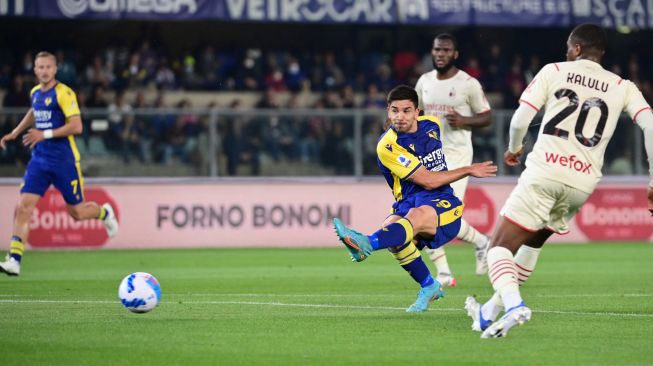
(571, 162)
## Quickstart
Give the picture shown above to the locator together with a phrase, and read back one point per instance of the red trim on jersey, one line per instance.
(485, 111)
(640, 111)
(557, 67)
(620, 80)
(520, 225)
(532, 106)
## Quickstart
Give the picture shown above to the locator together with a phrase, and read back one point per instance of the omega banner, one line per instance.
(538, 13)
(279, 214)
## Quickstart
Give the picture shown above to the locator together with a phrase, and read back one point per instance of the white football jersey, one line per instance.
(461, 93)
(583, 102)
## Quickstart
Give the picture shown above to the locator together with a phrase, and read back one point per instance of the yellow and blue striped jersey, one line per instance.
(399, 155)
(52, 108)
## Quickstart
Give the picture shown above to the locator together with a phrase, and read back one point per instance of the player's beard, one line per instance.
(443, 69)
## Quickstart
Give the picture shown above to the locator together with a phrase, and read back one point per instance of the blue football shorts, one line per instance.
(449, 210)
(65, 176)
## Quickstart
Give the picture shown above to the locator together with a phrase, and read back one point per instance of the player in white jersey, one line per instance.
(583, 103)
(457, 99)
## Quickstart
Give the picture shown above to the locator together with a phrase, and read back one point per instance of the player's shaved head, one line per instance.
(403, 92)
(447, 37)
(591, 38)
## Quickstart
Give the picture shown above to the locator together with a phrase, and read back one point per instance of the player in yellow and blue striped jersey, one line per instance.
(426, 213)
(55, 118)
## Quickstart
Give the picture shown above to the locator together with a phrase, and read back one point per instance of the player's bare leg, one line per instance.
(24, 209)
(91, 210)
(507, 239)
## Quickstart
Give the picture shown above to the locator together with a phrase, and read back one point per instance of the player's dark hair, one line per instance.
(403, 92)
(447, 37)
(590, 37)
(46, 54)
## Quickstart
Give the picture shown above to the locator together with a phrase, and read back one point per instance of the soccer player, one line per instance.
(582, 104)
(426, 212)
(55, 158)
(458, 100)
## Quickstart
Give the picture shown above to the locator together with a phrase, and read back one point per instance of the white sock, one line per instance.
(492, 307)
(469, 234)
(525, 261)
(503, 276)
(439, 258)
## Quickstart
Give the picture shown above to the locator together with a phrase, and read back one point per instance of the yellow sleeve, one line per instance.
(395, 157)
(33, 90)
(67, 101)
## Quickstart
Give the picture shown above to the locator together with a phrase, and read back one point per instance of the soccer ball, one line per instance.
(139, 292)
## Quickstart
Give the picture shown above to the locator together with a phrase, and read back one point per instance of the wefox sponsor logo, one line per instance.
(571, 162)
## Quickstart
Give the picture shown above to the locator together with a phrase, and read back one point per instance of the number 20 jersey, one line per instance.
(583, 103)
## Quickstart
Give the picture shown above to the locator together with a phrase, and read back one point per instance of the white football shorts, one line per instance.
(537, 203)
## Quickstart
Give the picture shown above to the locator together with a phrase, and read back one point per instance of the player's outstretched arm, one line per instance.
(519, 123)
(72, 127)
(26, 122)
(432, 180)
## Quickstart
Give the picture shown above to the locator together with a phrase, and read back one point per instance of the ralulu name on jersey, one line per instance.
(587, 82)
(570, 161)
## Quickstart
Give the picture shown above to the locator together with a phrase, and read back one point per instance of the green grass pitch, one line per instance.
(592, 305)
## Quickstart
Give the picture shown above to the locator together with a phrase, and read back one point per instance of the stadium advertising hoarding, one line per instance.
(542, 13)
(288, 214)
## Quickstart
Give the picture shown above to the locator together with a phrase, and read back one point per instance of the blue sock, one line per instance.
(419, 272)
(410, 259)
(393, 235)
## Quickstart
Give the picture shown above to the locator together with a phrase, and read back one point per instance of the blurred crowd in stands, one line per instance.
(343, 80)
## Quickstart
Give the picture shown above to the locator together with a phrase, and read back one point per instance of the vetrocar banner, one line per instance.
(275, 214)
(543, 13)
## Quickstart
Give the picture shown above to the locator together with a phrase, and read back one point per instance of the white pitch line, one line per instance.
(332, 306)
(449, 295)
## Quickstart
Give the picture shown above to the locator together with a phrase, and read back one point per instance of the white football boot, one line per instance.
(446, 279)
(110, 221)
(518, 315)
(473, 308)
(10, 266)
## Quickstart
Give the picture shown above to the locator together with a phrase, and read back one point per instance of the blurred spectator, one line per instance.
(18, 94)
(99, 73)
(120, 125)
(473, 68)
(66, 72)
